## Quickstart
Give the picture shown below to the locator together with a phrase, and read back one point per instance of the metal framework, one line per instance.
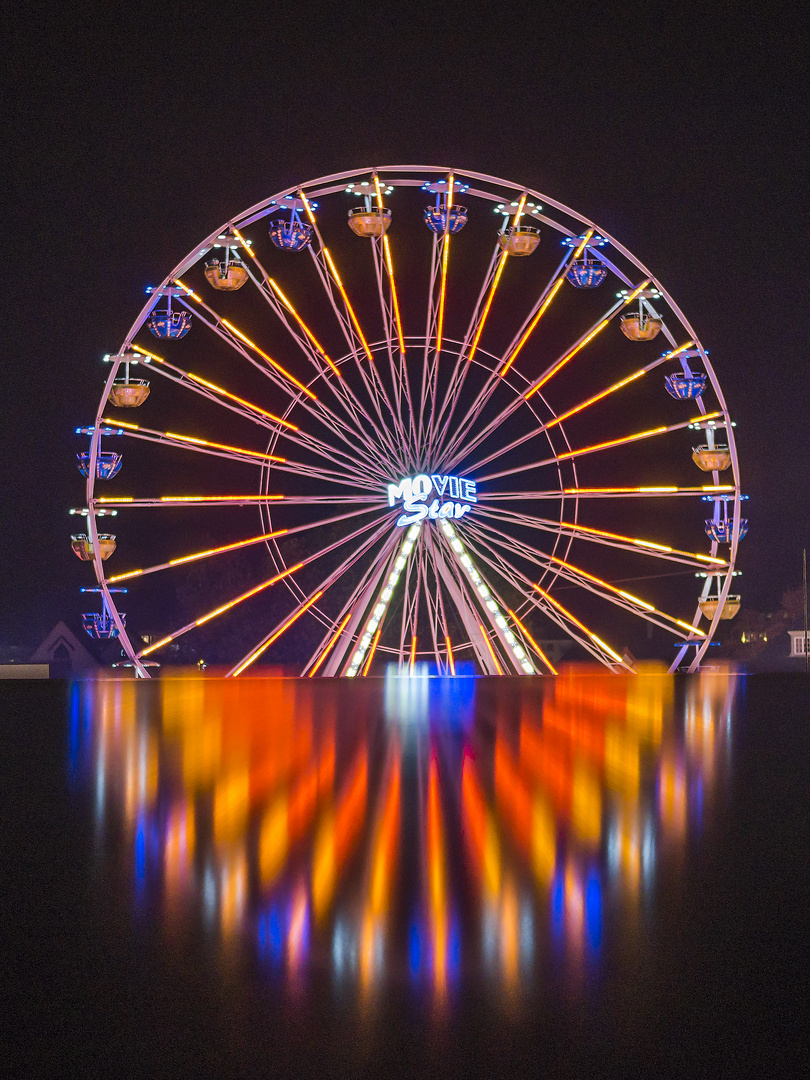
(447, 361)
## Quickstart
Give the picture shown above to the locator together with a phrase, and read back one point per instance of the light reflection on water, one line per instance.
(402, 831)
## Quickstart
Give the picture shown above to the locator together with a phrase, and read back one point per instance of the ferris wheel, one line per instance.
(412, 414)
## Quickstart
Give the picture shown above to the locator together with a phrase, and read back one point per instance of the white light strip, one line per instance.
(480, 586)
(378, 612)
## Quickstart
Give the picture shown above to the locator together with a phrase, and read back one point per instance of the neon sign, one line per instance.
(414, 492)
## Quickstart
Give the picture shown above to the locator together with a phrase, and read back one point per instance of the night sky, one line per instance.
(132, 131)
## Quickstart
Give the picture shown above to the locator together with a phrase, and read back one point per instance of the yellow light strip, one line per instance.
(246, 596)
(241, 401)
(413, 650)
(269, 359)
(242, 337)
(371, 652)
(581, 626)
(678, 351)
(288, 305)
(532, 324)
(331, 644)
(193, 440)
(597, 397)
(349, 308)
(645, 490)
(442, 291)
(705, 416)
(495, 281)
(450, 655)
(307, 207)
(278, 633)
(529, 329)
(621, 592)
(217, 389)
(197, 555)
(218, 611)
(613, 442)
(573, 352)
(616, 386)
(390, 265)
(485, 636)
(194, 498)
(445, 258)
(533, 643)
(642, 543)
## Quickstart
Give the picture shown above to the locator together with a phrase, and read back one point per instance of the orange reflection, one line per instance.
(338, 834)
(437, 879)
(254, 800)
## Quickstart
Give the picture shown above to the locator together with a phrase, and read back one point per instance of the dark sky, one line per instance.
(132, 131)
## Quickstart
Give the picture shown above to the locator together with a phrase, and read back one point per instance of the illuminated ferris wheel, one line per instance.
(407, 415)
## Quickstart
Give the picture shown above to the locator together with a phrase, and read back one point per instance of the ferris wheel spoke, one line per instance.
(479, 322)
(608, 539)
(303, 606)
(230, 333)
(491, 603)
(537, 597)
(249, 410)
(350, 652)
(352, 331)
(261, 587)
(575, 574)
(318, 409)
(434, 330)
(549, 373)
(392, 323)
(128, 502)
(433, 605)
(461, 591)
(183, 560)
(541, 306)
(191, 442)
(306, 340)
(234, 453)
(212, 392)
(278, 302)
(657, 491)
(610, 444)
(352, 609)
(620, 385)
(381, 253)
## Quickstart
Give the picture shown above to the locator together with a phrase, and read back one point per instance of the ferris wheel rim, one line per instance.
(264, 207)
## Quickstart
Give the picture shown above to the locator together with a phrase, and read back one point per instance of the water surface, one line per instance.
(406, 875)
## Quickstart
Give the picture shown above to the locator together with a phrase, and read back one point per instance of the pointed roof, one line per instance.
(63, 644)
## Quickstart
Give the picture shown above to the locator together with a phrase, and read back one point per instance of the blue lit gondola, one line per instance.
(107, 463)
(290, 235)
(436, 218)
(586, 274)
(683, 387)
(721, 530)
(99, 625)
(169, 324)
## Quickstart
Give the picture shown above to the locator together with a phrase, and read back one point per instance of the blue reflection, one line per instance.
(593, 910)
(271, 936)
(557, 906)
(697, 801)
(452, 700)
(453, 950)
(140, 851)
(415, 950)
